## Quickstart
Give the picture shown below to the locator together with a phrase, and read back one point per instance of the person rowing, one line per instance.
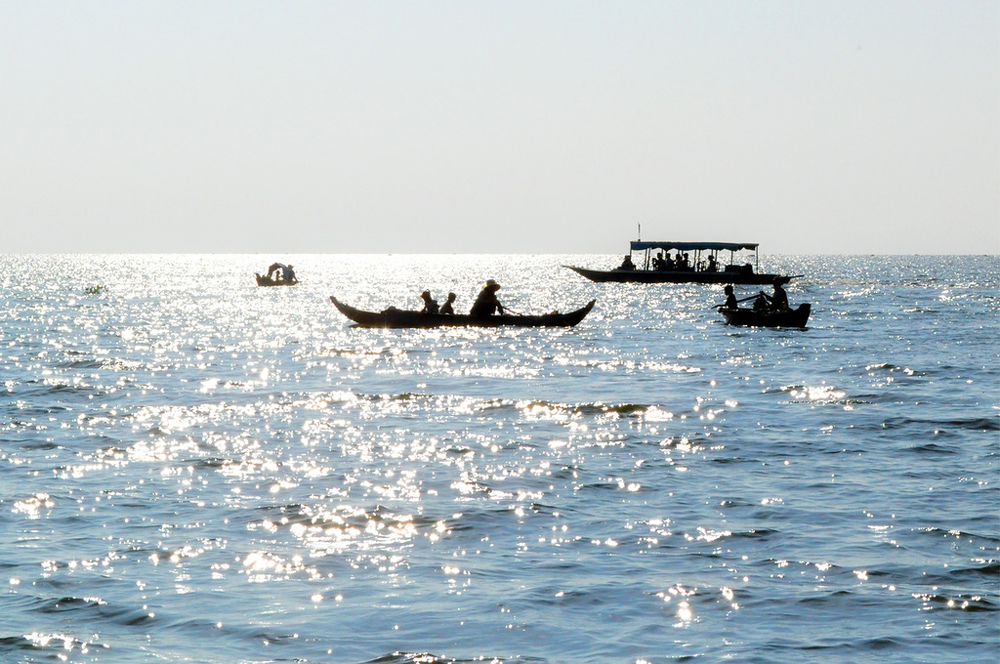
(487, 303)
(771, 304)
(779, 301)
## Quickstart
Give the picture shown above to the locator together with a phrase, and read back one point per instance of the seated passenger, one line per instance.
(486, 303)
(760, 304)
(731, 302)
(627, 264)
(430, 304)
(447, 308)
(660, 263)
(712, 267)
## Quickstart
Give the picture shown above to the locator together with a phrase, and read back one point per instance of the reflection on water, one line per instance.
(197, 469)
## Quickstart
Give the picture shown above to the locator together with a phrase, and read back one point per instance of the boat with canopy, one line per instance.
(692, 262)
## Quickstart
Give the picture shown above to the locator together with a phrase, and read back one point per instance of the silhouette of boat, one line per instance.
(748, 317)
(268, 281)
(398, 318)
(704, 268)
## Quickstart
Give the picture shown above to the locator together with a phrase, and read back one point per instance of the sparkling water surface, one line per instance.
(194, 469)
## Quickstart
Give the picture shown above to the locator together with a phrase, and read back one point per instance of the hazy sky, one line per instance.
(812, 127)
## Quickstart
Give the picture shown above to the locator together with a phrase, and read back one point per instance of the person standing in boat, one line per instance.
(288, 274)
(430, 304)
(486, 303)
(447, 307)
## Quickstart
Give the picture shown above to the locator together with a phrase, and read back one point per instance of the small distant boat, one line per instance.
(704, 267)
(398, 318)
(748, 317)
(268, 281)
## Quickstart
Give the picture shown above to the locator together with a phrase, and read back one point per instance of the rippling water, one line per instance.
(195, 469)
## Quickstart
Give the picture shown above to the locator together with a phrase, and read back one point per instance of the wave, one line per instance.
(933, 448)
(758, 534)
(400, 657)
(966, 424)
(975, 573)
(92, 608)
(972, 603)
(57, 647)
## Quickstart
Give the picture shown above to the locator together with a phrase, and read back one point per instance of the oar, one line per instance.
(752, 297)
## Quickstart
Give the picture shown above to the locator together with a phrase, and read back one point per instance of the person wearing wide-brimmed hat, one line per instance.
(486, 303)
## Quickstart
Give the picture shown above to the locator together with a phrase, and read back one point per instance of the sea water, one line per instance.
(195, 469)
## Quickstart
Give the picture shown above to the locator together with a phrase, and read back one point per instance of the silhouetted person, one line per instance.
(447, 307)
(627, 264)
(430, 304)
(779, 301)
(760, 304)
(486, 303)
(731, 302)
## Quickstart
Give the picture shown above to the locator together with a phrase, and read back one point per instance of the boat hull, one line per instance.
(748, 317)
(267, 281)
(397, 318)
(679, 277)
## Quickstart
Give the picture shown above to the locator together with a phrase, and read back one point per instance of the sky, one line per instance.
(810, 126)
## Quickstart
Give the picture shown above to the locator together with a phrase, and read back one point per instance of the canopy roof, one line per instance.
(639, 245)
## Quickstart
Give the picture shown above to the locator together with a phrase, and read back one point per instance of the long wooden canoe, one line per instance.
(398, 318)
(792, 318)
